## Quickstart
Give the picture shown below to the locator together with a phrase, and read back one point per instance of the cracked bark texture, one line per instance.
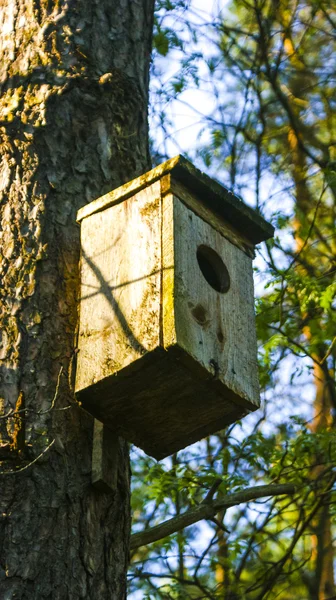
(73, 125)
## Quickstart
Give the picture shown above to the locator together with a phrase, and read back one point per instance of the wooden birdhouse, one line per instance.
(167, 341)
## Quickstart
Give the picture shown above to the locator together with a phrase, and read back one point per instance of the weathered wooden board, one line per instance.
(105, 459)
(120, 286)
(216, 329)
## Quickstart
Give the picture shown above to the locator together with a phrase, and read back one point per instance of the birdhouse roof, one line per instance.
(214, 195)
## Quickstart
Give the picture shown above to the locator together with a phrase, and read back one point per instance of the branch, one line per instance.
(207, 511)
(30, 464)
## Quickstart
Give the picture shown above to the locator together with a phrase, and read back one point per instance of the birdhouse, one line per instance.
(167, 341)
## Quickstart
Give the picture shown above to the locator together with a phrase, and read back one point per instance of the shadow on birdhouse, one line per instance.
(167, 340)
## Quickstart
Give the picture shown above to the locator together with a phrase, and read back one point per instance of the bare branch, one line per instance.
(207, 511)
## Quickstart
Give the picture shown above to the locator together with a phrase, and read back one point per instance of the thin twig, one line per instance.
(29, 464)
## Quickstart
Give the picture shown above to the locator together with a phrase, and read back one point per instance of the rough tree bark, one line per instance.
(73, 122)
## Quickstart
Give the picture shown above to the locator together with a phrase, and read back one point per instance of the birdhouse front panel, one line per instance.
(167, 342)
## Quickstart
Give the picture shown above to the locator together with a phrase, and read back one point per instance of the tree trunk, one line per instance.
(73, 121)
(322, 539)
(323, 586)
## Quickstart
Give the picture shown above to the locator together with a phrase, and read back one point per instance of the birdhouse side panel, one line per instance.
(214, 303)
(168, 273)
(120, 286)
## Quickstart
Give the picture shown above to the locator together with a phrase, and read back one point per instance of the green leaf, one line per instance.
(161, 42)
(328, 296)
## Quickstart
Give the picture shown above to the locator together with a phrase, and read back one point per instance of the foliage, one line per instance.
(269, 134)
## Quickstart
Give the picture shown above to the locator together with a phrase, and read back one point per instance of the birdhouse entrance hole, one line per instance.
(213, 269)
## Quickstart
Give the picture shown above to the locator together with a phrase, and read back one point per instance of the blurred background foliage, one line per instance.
(246, 89)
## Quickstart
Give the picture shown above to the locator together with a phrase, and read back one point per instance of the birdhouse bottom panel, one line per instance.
(179, 407)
